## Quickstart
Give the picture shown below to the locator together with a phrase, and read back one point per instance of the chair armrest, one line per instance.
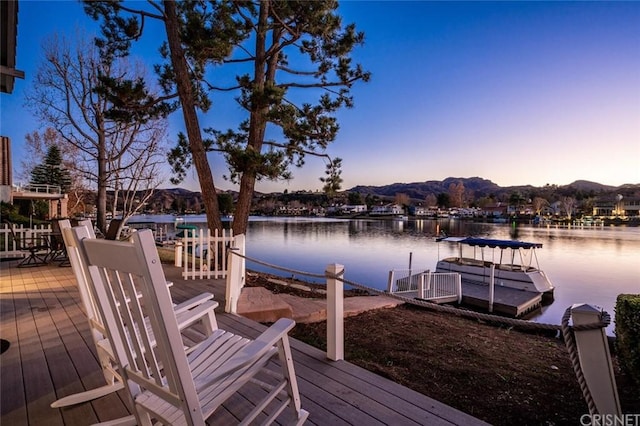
(193, 302)
(189, 317)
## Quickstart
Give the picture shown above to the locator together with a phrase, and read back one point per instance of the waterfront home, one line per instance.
(387, 209)
(422, 211)
(617, 206)
(353, 209)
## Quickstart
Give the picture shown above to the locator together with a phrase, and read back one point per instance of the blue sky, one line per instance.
(515, 92)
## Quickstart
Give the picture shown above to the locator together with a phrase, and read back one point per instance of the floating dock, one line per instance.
(506, 300)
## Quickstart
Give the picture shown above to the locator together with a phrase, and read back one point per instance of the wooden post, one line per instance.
(335, 313)
(595, 360)
(236, 275)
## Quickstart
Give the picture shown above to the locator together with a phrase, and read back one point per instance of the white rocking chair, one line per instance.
(176, 388)
(199, 309)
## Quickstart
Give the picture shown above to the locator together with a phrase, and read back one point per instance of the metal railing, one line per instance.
(441, 286)
(38, 188)
(437, 287)
(405, 280)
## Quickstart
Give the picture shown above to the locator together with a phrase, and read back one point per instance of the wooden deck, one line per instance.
(51, 355)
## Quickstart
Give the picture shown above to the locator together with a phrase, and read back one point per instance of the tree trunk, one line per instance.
(257, 123)
(101, 214)
(183, 82)
(243, 207)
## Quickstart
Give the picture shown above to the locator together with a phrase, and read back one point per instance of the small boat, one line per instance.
(514, 264)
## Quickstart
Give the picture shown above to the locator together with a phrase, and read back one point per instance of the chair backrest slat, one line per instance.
(89, 225)
(79, 266)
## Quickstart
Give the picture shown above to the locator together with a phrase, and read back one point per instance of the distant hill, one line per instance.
(419, 190)
(479, 186)
(585, 185)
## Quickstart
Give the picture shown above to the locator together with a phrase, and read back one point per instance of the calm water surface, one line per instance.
(586, 265)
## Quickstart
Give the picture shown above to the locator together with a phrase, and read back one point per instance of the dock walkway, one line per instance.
(50, 354)
(509, 301)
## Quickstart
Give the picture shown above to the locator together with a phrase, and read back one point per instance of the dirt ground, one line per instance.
(500, 375)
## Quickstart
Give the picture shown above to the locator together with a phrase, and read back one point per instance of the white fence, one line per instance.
(203, 255)
(436, 287)
(9, 247)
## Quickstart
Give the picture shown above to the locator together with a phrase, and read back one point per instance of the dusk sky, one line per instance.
(515, 92)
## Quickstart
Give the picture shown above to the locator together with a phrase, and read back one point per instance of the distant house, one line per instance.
(293, 211)
(497, 210)
(387, 209)
(354, 209)
(620, 207)
(421, 211)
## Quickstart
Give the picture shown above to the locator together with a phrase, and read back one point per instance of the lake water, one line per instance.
(586, 265)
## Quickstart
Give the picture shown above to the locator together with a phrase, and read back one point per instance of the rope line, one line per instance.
(270, 265)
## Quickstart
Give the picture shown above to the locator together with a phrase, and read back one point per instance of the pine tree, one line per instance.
(294, 72)
(52, 172)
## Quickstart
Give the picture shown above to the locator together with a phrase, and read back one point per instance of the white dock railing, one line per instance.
(405, 280)
(436, 287)
(440, 286)
(203, 255)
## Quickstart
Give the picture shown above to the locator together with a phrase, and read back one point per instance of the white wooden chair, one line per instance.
(176, 388)
(199, 309)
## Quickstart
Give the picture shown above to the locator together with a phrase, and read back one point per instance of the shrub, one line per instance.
(628, 334)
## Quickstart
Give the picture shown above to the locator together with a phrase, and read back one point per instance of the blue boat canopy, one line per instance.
(486, 242)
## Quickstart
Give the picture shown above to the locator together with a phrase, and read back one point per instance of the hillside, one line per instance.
(480, 188)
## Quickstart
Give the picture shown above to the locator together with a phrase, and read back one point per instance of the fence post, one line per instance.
(491, 286)
(235, 275)
(335, 312)
(595, 359)
(177, 250)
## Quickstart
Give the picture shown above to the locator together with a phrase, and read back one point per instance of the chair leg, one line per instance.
(33, 259)
(288, 371)
(85, 396)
